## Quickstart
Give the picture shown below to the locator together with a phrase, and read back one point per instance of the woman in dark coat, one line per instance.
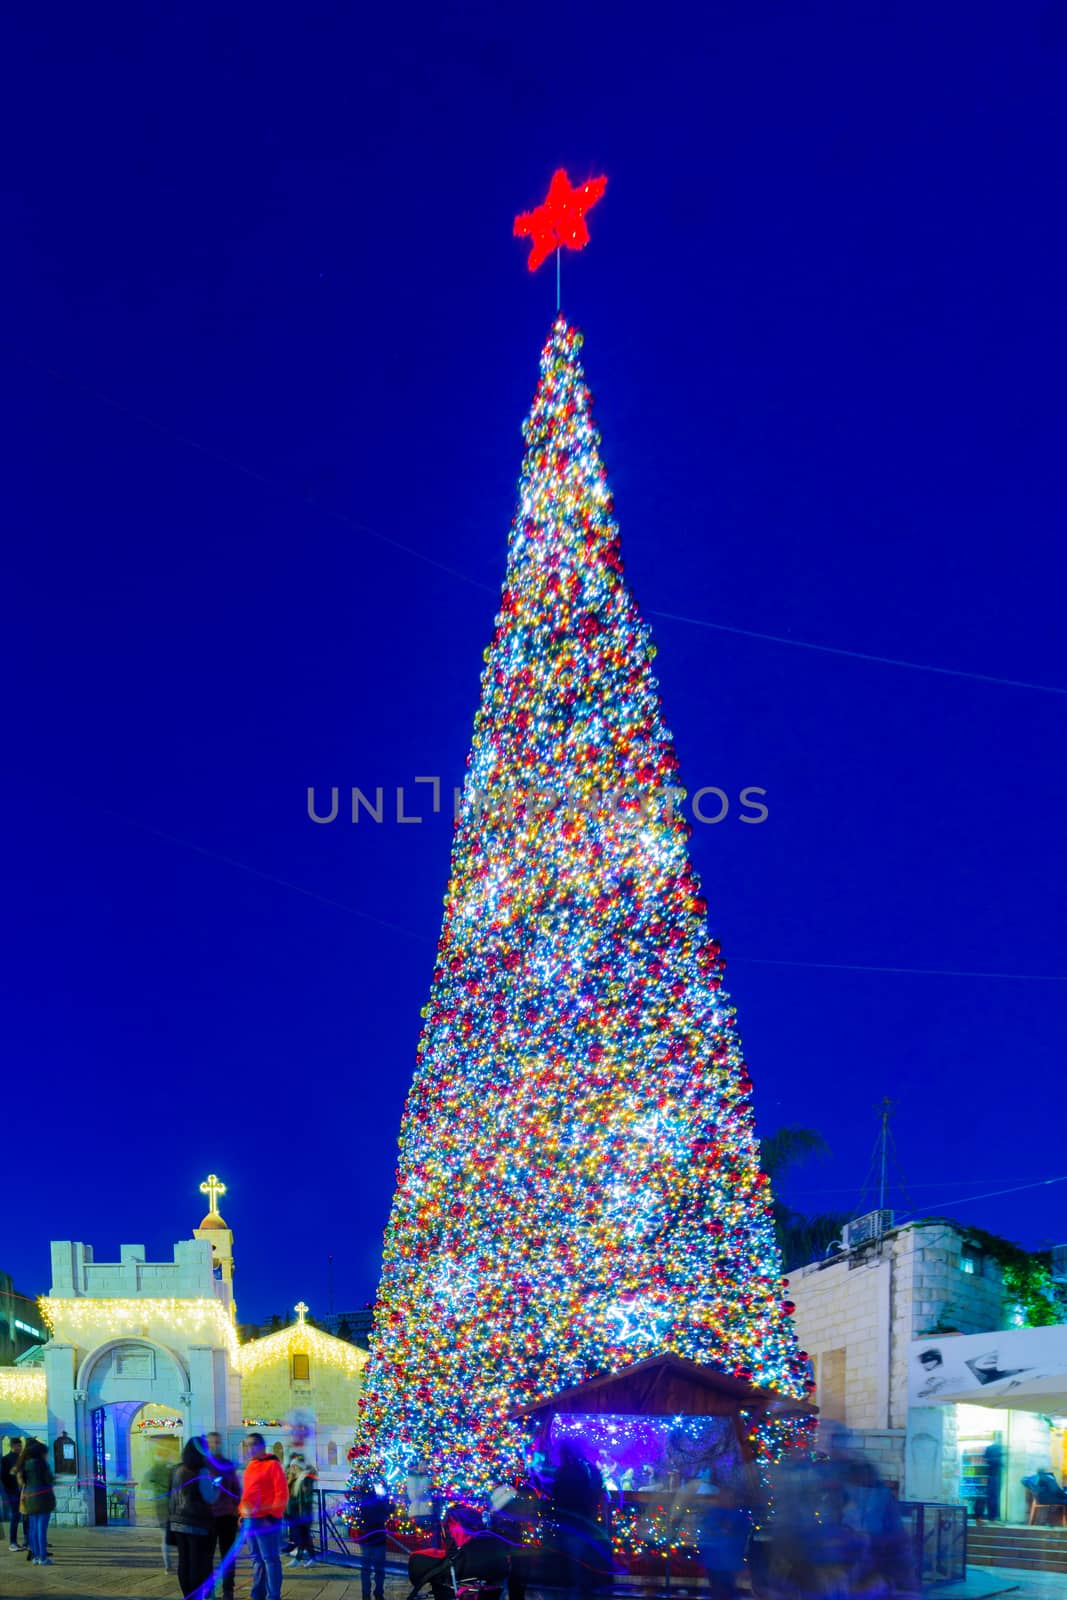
(192, 1495)
(37, 1501)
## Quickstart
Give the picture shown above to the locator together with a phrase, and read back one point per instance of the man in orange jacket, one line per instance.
(262, 1508)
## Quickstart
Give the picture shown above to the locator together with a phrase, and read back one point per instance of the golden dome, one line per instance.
(213, 1220)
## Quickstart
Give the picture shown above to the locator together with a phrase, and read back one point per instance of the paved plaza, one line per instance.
(124, 1564)
(109, 1563)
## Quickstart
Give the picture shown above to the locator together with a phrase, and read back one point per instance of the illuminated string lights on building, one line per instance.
(17, 1386)
(300, 1338)
(139, 1318)
(578, 1181)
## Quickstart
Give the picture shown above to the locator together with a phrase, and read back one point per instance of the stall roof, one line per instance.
(665, 1385)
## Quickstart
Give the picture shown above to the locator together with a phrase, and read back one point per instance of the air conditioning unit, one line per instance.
(867, 1228)
(1059, 1263)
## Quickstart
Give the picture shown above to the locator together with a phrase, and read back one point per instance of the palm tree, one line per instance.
(800, 1238)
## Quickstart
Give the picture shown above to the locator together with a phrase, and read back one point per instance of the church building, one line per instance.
(143, 1355)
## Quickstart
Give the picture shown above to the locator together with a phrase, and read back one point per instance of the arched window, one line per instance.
(331, 1454)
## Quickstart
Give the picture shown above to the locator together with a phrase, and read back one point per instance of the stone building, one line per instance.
(134, 1340)
(864, 1317)
(311, 1378)
(144, 1354)
(20, 1323)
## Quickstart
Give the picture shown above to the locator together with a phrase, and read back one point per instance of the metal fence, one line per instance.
(938, 1536)
(335, 1543)
(938, 1540)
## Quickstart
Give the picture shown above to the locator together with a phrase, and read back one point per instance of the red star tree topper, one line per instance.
(560, 220)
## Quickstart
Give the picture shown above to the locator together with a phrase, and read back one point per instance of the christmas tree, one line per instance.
(578, 1183)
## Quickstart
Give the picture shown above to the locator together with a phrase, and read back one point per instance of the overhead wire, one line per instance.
(358, 526)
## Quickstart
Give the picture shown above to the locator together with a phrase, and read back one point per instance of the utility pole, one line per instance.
(886, 1109)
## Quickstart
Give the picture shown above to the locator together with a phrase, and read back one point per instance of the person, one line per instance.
(472, 1553)
(224, 1513)
(871, 1510)
(374, 1511)
(1044, 1488)
(192, 1497)
(11, 1491)
(301, 1480)
(994, 1466)
(512, 1505)
(724, 1523)
(156, 1484)
(36, 1499)
(577, 1498)
(263, 1502)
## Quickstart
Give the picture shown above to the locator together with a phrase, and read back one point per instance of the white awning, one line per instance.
(1014, 1369)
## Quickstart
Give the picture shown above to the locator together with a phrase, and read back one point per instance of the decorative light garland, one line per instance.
(155, 1423)
(302, 1339)
(118, 1317)
(18, 1385)
(578, 1182)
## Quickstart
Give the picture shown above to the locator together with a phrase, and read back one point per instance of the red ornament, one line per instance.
(560, 220)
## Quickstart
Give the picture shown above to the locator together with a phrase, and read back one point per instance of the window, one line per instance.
(969, 1265)
(301, 1368)
(331, 1454)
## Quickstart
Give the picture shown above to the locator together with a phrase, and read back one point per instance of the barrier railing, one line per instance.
(938, 1537)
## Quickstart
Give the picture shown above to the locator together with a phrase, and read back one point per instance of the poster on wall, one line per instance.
(1024, 1369)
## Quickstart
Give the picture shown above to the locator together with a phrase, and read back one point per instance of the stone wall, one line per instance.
(856, 1316)
(332, 1393)
(189, 1276)
(841, 1318)
(72, 1507)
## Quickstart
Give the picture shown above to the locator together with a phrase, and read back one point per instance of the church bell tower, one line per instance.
(213, 1228)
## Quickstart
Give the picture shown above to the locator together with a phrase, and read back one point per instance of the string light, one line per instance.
(191, 1318)
(300, 1338)
(578, 1182)
(22, 1388)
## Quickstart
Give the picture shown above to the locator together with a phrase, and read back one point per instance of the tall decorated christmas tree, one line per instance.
(578, 1183)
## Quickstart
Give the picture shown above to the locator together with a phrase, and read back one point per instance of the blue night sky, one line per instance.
(268, 342)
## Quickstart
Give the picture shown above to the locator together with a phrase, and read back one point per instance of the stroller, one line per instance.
(474, 1565)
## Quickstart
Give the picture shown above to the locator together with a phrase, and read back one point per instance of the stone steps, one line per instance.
(1030, 1549)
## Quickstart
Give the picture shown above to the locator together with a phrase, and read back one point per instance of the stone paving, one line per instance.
(116, 1563)
(125, 1564)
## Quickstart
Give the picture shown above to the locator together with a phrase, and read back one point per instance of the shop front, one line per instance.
(1003, 1399)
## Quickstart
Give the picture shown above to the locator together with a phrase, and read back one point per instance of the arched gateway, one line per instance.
(143, 1355)
(137, 1345)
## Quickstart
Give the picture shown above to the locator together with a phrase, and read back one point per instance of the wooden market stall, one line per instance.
(672, 1389)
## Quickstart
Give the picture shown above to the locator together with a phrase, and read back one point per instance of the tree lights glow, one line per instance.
(578, 1182)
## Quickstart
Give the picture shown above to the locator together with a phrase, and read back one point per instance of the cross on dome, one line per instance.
(212, 1188)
